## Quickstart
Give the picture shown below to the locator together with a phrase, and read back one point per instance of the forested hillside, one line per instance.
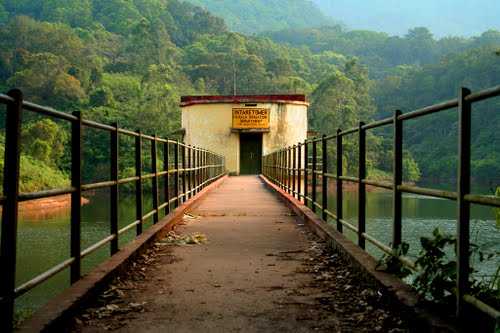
(266, 15)
(418, 70)
(381, 52)
(130, 61)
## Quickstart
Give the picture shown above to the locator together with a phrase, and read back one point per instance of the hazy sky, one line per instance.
(442, 17)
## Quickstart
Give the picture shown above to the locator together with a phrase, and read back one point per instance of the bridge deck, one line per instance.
(260, 271)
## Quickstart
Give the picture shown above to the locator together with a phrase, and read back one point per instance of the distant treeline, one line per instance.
(130, 61)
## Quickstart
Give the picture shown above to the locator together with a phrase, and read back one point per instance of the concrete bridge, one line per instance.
(252, 254)
(258, 265)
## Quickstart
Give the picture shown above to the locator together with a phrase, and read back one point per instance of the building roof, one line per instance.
(239, 99)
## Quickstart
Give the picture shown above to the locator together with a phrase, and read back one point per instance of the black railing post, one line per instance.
(195, 171)
(166, 168)
(184, 173)
(294, 170)
(10, 209)
(198, 170)
(362, 187)
(281, 169)
(154, 167)
(299, 170)
(76, 196)
(190, 172)
(287, 170)
(340, 192)
(138, 182)
(280, 159)
(313, 174)
(177, 176)
(306, 171)
(324, 179)
(114, 189)
(275, 167)
(397, 179)
(206, 169)
(290, 170)
(463, 207)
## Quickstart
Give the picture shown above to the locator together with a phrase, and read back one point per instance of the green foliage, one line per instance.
(44, 141)
(390, 263)
(435, 278)
(438, 273)
(412, 88)
(130, 61)
(381, 52)
(35, 174)
(261, 15)
(497, 210)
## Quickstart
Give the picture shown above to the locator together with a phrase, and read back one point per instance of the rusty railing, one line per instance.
(192, 169)
(287, 168)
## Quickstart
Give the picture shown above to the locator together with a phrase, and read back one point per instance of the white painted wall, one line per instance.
(209, 126)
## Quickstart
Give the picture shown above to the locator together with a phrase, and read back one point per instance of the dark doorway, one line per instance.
(250, 153)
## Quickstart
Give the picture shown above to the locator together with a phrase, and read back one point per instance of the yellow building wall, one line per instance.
(209, 126)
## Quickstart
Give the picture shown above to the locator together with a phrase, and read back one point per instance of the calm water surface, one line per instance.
(45, 243)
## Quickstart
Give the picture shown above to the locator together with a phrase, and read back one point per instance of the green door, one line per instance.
(250, 154)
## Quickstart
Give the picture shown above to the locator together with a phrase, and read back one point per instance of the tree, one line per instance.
(44, 141)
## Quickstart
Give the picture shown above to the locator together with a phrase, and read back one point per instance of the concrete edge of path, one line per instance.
(56, 313)
(423, 320)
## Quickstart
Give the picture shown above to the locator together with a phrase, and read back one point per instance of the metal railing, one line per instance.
(192, 169)
(286, 168)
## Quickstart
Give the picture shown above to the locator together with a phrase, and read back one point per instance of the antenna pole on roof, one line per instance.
(234, 78)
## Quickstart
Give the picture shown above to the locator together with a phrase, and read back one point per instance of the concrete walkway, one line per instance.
(256, 273)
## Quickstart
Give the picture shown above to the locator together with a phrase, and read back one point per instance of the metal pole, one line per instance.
(199, 170)
(114, 189)
(190, 172)
(10, 209)
(166, 166)
(299, 174)
(340, 193)
(306, 171)
(314, 180)
(294, 170)
(177, 178)
(76, 197)
(463, 207)
(324, 179)
(362, 187)
(138, 183)
(184, 174)
(397, 181)
(280, 156)
(154, 167)
(290, 171)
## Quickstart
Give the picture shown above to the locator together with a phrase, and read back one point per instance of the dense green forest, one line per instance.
(130, 61)
(256, 16)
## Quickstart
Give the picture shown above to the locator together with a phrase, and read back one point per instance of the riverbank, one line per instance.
(47, 207)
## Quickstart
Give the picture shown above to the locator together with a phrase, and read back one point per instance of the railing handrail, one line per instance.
(280, 171)
(193, 167)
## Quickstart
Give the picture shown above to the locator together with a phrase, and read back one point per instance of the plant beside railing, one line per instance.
(435, 275)
(497, 210)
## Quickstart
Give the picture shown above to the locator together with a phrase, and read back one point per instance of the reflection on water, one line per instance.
(44, 243)
(421, 215)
